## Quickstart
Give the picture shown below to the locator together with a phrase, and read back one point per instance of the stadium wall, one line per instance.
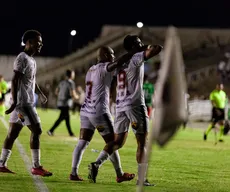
(6, 64)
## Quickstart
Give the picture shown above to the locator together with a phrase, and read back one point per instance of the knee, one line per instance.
(37, 131)
(82, 144)
(118, 144)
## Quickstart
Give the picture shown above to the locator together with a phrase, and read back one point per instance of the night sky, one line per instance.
(56, 19)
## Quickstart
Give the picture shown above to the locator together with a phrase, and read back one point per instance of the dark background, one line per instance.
(55, 19)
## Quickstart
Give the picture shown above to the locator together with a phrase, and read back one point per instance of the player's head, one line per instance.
(70, 74)
(219, 86)
(105, 54)
(132, 43)
(32, 40)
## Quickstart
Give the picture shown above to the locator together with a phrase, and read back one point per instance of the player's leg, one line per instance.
(139, 121)
(212, 124)
(67, 121)
(221, 122)
(115, 142)
(32, 121)
(12, 135)
(86, 134)
(57, 122)
(104, 126)
(149, 109)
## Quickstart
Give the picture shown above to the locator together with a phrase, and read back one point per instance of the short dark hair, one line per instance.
(129, 42)
(30, 34)
(68, 73)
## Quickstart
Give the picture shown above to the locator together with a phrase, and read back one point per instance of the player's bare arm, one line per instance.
(74, 94)
(119, 62)
(152, 50)
(15, 80)
(39, 91)
(213, 103)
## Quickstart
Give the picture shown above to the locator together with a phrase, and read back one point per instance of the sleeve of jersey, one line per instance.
(20, 63)
(72, 84)
(103, 69)
(138, 59)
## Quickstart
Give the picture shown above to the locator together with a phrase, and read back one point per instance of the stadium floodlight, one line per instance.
(73, 32)
(140, 24)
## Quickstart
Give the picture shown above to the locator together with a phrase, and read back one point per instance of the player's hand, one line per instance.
(43, 99)
(12, 107)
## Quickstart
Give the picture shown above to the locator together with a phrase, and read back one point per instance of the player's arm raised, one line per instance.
(151, 51)
(119, 62)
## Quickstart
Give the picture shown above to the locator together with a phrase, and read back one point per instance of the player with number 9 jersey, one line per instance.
(130, 77)
(130, 99)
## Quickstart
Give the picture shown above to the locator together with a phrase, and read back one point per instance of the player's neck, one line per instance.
(102, 61)
(29, 52)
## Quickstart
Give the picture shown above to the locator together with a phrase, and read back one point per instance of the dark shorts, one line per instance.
(218, 114)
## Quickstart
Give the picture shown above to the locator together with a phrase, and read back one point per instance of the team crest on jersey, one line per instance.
(21, 117)
(100, 128)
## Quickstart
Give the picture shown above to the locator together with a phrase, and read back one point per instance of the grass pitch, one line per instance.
(186, 164)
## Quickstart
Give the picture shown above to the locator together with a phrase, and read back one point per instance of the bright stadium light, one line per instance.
(73, 32)
(22, 44)
(140, 24)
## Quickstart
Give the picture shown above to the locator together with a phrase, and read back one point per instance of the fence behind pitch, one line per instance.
(202, 110)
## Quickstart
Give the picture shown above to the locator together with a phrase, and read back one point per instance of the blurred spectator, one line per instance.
(65, 91)
(3, 91)
(148, 93)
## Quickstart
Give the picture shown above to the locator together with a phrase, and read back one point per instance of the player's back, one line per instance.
(130, 83)
(98, 82)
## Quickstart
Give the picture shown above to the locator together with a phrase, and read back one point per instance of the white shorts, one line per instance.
(103, 123)
(24, 116)
(138, 118)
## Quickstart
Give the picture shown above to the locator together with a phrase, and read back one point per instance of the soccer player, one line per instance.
(95, 114)
(65, 91)
(3, 91)
(130, 101)
(218, 98)
(148, 92)
(22, 111)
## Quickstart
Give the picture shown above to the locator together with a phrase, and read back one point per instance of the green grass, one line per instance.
(186, 164)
